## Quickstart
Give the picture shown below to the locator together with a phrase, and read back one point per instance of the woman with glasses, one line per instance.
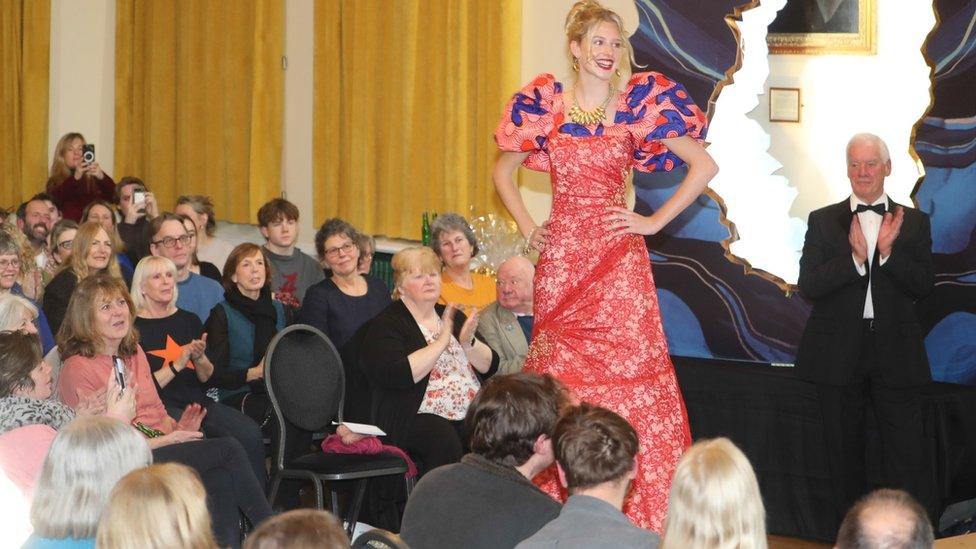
(59, 244)
(240, 328)
(14, 258)
(342, 303)
(203, 268)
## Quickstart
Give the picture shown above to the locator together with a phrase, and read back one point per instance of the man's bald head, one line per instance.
(514, 286)
(885, 519)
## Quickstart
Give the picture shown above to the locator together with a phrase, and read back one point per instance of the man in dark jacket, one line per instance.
(488, 499)
(866, 260)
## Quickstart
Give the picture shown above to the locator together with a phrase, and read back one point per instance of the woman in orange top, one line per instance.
(454, 243)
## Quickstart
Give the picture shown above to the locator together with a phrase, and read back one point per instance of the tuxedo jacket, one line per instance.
(831, 341)
(503, 333)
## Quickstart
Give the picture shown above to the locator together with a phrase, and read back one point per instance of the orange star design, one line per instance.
(171, 353)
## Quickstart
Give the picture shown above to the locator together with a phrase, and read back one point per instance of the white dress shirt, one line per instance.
(870, 226)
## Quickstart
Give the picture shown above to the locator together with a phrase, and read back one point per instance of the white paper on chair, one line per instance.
(362, 428)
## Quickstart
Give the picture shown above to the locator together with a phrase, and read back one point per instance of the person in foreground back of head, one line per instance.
(714, 500)
(299, 529)
(157, 507)
(595, 456)
(885, 519)
(488, 499)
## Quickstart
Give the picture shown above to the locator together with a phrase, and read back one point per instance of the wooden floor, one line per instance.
(780, 542)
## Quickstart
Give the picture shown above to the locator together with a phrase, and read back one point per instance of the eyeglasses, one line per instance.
(366, 255)
(65, 245)
(501, 283)
(170, 242)
(7, 263)
(345, 248)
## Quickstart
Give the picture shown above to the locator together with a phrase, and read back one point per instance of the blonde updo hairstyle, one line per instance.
(583, 18)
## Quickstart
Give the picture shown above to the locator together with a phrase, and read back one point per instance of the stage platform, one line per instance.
(775, 418)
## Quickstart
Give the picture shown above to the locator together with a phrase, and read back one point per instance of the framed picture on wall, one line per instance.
(819, 27)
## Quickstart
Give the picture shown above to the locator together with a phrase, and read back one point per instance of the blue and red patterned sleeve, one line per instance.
(659, 108)
(528, 121)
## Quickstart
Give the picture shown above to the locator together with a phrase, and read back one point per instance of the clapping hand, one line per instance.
(119, 403)
(889, 231)
(192, 418)
(859, 246)
(470, 326)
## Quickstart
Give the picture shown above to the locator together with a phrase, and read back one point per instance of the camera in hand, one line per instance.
(88, 153)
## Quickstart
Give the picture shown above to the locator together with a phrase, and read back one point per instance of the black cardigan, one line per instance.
(389, 339)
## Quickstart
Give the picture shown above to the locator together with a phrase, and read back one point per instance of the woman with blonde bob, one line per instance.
(715, 501)
(425, 362)
(157, 507)
(85, 461)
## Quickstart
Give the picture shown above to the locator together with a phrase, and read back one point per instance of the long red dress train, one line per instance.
(597, 322)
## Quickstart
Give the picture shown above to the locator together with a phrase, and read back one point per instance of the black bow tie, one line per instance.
(877, 208)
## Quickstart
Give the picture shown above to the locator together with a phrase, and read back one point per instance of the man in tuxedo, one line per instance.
(866, 260)
(506, 324)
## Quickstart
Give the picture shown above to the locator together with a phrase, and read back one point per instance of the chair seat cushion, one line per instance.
(320, 462)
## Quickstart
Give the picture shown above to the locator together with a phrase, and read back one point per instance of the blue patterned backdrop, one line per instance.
(711, 307)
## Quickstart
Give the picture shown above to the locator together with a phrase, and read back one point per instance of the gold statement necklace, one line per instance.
(589, 118)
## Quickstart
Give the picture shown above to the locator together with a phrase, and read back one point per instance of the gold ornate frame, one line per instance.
(863, 42)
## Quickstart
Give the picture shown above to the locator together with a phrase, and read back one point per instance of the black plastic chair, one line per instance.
(305, 381)
(379, 539)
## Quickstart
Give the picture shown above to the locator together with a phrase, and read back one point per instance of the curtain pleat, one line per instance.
(407, 95)
(25, 50)
(199, 100)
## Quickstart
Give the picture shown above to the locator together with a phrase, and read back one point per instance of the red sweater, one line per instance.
(72, 196)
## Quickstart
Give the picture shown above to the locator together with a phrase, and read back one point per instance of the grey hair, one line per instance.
(853, 534)
(12, 307)
(865, 137)
(150, 265)
(85, 461)
(449, 223)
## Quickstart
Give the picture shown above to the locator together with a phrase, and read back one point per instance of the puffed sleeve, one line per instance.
(659, 108)
(528, 121)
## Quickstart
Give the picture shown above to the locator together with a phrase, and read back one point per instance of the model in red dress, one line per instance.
(597, 321)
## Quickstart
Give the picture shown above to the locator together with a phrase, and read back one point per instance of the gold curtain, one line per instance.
(407, 95)
(25, 51)
(199, 93)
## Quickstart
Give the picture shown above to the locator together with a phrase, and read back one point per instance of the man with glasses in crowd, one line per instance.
(168, 238)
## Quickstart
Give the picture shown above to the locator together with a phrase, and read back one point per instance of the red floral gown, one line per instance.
(597, 321)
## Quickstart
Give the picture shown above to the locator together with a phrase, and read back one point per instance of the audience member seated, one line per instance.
(488, 500)
(86, 459)
(506, 324)
(299, 529)
(101, 212)
(17, 313)
(425, 362)
(294, 271)
(53, 212)
(157, 507)
(885, 518)
(596, 453)
(714, 500)
(367, 248)
(74, 182)
(204, 268)
(200, 209)
(92, 254)
(59, 244)
(168, 238)
(175, 346)
(342, 303)
(239, 331)
(34, 222)
(98, 329)
(453, 240)
(135, 216)
(13, 264)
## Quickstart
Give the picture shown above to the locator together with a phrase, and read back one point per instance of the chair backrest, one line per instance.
(379, 539)
(305, 381)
